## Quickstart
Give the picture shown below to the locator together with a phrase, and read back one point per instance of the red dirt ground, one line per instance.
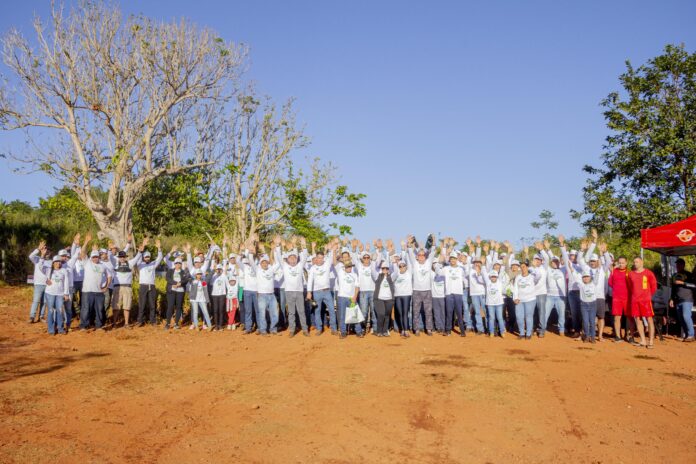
(150, 396)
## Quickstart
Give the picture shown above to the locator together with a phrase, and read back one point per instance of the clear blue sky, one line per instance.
(453, 117)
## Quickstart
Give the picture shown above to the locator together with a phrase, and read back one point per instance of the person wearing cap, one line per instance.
(293, 280)
(218, 296)
(347, 294)
(682, 298)
(556, 296)
(147, 292)
(494, 302)
(598, 276)
(524, 296)
(199, 299)
(77, 277)
(437, 290)
(477, 292)
(266, 271)
(421, 264)
(57, 292)
(69, 264)
(39, 258)
(403, 292)
(96, 283)
(454, 274)
(588, 301)
(105, 258)
(177, 281)
(368, 272)
(123, 286)
(570, 259)
(384, 299)
(319, 289)
(540, 271)
(250, 301)
(232, 300)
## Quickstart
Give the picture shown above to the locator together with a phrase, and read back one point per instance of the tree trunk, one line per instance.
(116, 227)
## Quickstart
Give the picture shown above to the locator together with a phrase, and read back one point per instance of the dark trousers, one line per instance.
(77, 297)
(92, 306)
(219, 303)
(175, 302)
(383, 310)
(147, 296)
(439, 314)
(402, 304)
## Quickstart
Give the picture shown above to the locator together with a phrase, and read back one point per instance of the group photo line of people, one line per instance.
(353, 287)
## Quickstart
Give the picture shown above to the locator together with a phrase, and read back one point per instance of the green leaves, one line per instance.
(648, 172)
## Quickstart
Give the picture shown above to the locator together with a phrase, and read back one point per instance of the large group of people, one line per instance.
(350, 287)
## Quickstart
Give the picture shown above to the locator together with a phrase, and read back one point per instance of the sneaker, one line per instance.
(502, 335)
(166, 327)
(688, 339)
(429, 333)
(305, 333)
(617, 340)
(342, 336)
(541, 335)
(333, 332)
(177, 327)
(417, 333)
(361, 335)
(592, 340)
(291, 333)
(229, 326)
(447, 334)
(528, 337)
(234, 326)
(318, 333)
(520, 337)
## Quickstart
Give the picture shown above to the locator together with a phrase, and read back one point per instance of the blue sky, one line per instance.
(456, 117)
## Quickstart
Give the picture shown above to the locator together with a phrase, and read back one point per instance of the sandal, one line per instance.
(650, 347)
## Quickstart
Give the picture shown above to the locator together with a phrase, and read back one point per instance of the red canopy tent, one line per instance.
(676, 239)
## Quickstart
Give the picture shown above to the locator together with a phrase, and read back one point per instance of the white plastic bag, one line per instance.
(354, 315)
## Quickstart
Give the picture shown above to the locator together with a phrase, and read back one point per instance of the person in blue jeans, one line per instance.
(39, 258)
(57, 291)
(682, 298)
(524, 296)
(347, 282)
(319, 288)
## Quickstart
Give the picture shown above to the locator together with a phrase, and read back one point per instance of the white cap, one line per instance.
(539, 257)
(365, 253)
(232, 256)
(94, 254)
(586, 274)
(345, 250)
(57, 258)
(218, 267)
(384, 264)
(594, 257)
(292, 253)
(309, 259)
(63, 253)
(498, 262)
(103, 251)
(493, 274)
(514, 262)
(146, 254)
(232, 276)
(198, 271)
(573, 252)
(264, 258)
(178, 261)
(454, 254)
(556, 258)
(197, 259)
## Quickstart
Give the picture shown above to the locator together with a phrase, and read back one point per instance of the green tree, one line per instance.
(648, 172)
(65, 205)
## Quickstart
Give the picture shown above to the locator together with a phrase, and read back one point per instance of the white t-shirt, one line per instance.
(219, 284)
(347, 283)
(94, 277)
(523, 288)
(403, 283)
(385, 292)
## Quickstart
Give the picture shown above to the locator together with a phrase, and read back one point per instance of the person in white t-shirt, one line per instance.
(384, 299)
(95, 284)
(57, 292)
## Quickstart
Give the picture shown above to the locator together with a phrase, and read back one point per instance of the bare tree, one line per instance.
(111, 103)
(259, 167)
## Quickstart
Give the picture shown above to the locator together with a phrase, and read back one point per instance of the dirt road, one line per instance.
(147, 395)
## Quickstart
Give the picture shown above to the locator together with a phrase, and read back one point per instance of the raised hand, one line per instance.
(547, 244)
(158, 243)
(561, 239)
(594, 235)
(76, 239)
(486, 248)
(478, 240)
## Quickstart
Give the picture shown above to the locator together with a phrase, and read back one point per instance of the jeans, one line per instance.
(541, 312)
(251, 305)
(454, 306)
(366, 300)
(557, 302)
(203, 306)
(267, 302)
(465, 304)
(439, 314)
(684, 314)
(92, 305)
(422, 306)
(68, 311)
(402, 304)
(326, 297)
(296, 309)
(281, 298)
(477, 301)
(54, 306)
(38, 301)
(574, 303)
(495, 313)
(589, 313)
(343, 303)
(524, 312)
